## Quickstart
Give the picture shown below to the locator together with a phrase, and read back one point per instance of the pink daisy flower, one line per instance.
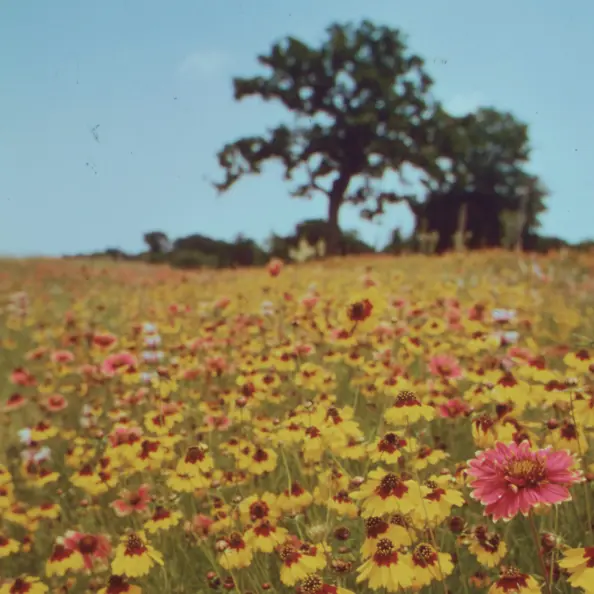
(513, 478)
(118, 361)
(445, 366)
(132, 501)
(92, 547)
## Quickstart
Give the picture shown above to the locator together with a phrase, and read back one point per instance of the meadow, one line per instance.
(368, 424)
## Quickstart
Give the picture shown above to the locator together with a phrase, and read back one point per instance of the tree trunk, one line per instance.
(335, 201)
(333, 239)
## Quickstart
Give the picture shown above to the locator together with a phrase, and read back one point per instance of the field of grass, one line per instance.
(358, 425)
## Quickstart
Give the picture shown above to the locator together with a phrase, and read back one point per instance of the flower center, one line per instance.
(360, 310)
(424, 555)
(88, 544)
(406, 398)
(311, 584)
(526, 473)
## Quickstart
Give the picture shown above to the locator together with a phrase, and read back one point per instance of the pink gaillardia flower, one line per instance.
(512, 478)
(446, 366)
(118, 361)
(132, 501)
(92, 547)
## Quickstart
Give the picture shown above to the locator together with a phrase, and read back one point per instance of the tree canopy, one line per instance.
(362, 106)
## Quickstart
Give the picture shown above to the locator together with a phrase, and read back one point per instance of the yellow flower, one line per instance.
(580, 565)
(30, 585)
(134, 556)
(513, 580)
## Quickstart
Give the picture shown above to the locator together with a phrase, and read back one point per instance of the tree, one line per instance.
(362, 108)
(483, 157)
(157, 242)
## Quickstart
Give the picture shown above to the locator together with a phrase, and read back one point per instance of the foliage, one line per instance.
(362, 104)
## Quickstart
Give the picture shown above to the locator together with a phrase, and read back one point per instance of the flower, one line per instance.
(313, 584)
(514, 478)
(116, 362)
(63, 560)
(132, 501)
(513, 581)
(385, 492)
(24, 585)
(580, 565)
(134, 556)
(429, 565)
(92, 547)
(386, 568)
(444, 365)
(117, 584)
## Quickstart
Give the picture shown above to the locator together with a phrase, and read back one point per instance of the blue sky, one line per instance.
(155, 77)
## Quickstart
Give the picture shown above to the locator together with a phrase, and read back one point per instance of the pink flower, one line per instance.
(455, 407)
(21, 377)
(62, 357)
(445, 366)
(220, 423)
(514, 478)
(201, 525)
(55, 403)
(118, 361)
(92, 547)
(132, 501)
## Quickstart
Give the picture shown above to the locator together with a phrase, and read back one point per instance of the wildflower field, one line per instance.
(354, 425)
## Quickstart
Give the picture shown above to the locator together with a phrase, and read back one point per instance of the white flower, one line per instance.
(503, 315)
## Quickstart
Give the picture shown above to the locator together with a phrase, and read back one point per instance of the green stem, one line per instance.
(543, 566)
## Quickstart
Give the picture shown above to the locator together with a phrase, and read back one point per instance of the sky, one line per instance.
(112, 112)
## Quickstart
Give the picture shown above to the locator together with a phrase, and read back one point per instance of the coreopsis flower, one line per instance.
(407, 410)
(580, 361)
(134, 556)
(256, 508)
(259, 461)
(297, 563)
(377, 528)
(512, 580)
(343, 505)
(8, 546)
(438, 501)
(488, 547)
(568, 436)
(386, 568)
(197, 459)
(429, 565)
(294, 500)
(235, 553)
(387, 493)
(162, 519)
(24, 585)
(427, 456)
(513, 478)
(118, 584)
(264, 536)
(390, 448)
(63, 560)
(313, 584)
(580, 565)
(186, 483)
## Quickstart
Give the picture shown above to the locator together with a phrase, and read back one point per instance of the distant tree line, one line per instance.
(198, 251)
